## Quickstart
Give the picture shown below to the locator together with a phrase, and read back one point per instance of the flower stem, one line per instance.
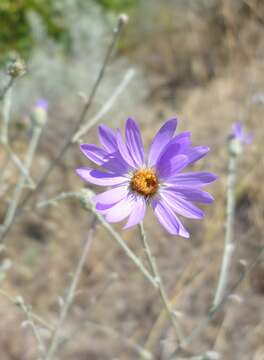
(162, 292)
(55, 341)
(229, 236)
(11, 211)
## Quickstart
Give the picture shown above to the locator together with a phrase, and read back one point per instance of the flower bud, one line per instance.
(123, 18)
(39, 113)
(16, 68)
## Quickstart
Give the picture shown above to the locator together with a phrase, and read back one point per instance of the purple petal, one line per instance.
(111, 196)
(103, 208)
(100, 178)
(111, 162)
(197, 153)
(192, 179)
(181, 206)
(120, 211)
(172, 165)
(237, 129)
(168, 219)
(43, 104)
(134, 142)
(123, 150)
(192, 194)
(137, 213)
(94, 153)
(107, 138)
(163, 136)
(178, 145)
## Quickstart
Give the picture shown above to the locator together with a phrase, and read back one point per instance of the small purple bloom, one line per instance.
(240, 135)
(42, 103)
(137, 181)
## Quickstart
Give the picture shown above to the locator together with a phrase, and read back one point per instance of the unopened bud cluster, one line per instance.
(16, 68)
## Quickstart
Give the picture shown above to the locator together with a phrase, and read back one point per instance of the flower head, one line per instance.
(137, 181)
(240, 135)
(39, 113)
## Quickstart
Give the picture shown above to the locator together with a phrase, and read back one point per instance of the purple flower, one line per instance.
(240, 135)
(137, 181)
(42, 104)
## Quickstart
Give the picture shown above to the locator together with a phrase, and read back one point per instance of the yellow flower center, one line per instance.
(145, 182)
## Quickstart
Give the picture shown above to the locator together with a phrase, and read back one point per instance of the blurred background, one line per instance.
(199, 60)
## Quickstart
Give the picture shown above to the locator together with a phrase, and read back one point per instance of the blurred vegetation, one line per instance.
(16, 34)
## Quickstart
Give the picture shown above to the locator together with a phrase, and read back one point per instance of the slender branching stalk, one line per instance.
(17, 301)
(58, 198)
(230, 216)
(10, 214)
(111, 332)
(4, 136)
(55, 340)
(7, 88)
(116, 34)
(153, 265)
(30, 321)
(106, 107)
(85, 197)
(88, 205)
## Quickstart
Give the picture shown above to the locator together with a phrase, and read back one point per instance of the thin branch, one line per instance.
(30, 321)
(116, 34)
(17, 302)
(11, 211)
(55, 340)
(229, 230)
(106, 107)
(7, 87)
(19, 165)
(4, 138)
(58, 198)
(212, 312)
(105, 329)
(90, 207)
(162, 292)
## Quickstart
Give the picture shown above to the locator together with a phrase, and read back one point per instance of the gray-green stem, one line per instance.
(229, 233)
(162, 292)
(55, 340)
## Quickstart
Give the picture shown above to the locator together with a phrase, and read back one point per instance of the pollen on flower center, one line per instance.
(145, 182)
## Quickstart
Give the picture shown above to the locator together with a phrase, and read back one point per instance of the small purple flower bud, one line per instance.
(238, 138)
(39, 113)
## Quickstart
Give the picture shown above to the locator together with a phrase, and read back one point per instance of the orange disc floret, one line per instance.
(145, 182)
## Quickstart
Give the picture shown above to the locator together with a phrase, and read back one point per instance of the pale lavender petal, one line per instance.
(94, 153)
(137, 213)
(103, 208)
(178, 145)
(120, 211)
(181, 206)
(100, 178)
(163, 136)
(197, 153)
(192, 179)
(237, 129)
(123, 150)
(168, 219)
(111, 196)
(134, 142)
(116, 164)
(107, 138)
(192, 194)
(171, 166)
(112, 162)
